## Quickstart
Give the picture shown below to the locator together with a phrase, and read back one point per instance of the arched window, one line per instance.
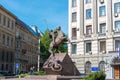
(102, 66)
(88, 67)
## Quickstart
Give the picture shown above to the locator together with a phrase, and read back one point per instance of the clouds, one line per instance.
(36, 11)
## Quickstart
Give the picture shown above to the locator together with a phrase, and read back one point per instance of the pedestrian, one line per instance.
(31, 70)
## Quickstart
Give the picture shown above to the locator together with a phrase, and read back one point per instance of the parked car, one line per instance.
(83, 74)
(7, 73)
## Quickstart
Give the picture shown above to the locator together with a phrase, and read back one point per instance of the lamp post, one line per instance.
(38, 66)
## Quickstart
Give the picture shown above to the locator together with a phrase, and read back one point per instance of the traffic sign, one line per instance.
(95, 69)
(17, 65)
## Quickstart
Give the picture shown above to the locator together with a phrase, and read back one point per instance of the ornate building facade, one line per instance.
(27, 42)
(19, 44)
(7, 40)
(94, 32)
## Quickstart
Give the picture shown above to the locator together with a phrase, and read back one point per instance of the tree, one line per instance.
(44, 45)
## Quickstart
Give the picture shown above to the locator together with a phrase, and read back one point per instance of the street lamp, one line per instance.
(38, 66)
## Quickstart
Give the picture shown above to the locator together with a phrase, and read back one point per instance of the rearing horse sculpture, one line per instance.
(57, 37)
(56, 40)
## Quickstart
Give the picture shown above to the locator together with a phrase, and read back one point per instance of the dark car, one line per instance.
(83, 74)
(7, 73)
(10, 73)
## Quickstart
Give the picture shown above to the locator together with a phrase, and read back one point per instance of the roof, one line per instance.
(36, 30)
(22, 24)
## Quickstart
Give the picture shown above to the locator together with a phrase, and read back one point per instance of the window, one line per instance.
(88, 14)
(6, 66)
(4, 39)
(102, 11)
(4, 20)
(102, 46)
(2, 67)
(74, 34)
(0, 18)
(117, 25)
(74, 3)
(7, 40)
(12, 25)
(8, 23)
(102, 66)
(117, 7)
(11, 42)
(103, 28)
(7, 56)
(88, 67)
(3, 52)
(88, 47)
(88, 1)
(11, 57)
(74, 48)
(74, 17)
(89, 30)
(17, 44)
(117, 45)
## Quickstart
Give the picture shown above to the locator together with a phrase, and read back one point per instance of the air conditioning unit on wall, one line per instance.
(101, 1)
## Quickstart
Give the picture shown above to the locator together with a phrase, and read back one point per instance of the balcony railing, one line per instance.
(116, 32)
(102, 34)
(18, 37)
(115, 51)
(74, 38)
(24, 51)
(22, 59)
(87, 35)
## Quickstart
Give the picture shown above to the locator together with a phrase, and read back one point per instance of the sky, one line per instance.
(42, 13)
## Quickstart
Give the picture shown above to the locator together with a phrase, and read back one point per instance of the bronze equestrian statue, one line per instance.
(57, 37)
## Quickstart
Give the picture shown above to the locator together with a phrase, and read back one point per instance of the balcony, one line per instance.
(22, 59)
(101, 34)
(74, 38)
(87, 35)
(18, 37)
(115, 51)
(24, 51)
(117, 31)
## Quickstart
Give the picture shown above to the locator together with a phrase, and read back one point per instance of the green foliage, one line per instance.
(45, 40)
(39, 73)
(22, 75)
(1, 75)
(99, 75)
(44, 45)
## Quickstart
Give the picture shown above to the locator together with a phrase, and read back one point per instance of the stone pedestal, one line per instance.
(68, 67)
(51, 77)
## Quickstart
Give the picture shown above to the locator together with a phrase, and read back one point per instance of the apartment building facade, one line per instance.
(27, 42)
(19, 44)
(94, 32)
(7, 40)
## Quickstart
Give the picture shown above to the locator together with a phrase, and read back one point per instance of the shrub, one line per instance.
(22, 75)
(99, 75)
(1, 75)
(39, 73)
